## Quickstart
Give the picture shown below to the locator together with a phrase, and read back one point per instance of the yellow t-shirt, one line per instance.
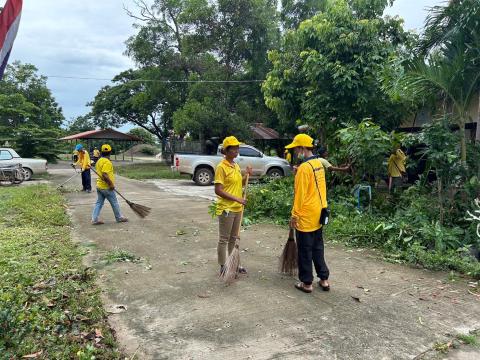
(230, 176)
(308, 202)
(96, 153)
(83, 160)
(396, 164)
(104, 166)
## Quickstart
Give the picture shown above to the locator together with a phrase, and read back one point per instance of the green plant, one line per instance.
(119, 255)
(148, 150)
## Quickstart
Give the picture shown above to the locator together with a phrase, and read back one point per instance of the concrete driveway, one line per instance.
(176, 307)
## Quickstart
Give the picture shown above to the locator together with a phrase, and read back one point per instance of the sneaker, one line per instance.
(89, 191)
(97, 222)
(122, 220)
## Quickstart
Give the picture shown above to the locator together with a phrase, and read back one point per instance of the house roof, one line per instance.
(262, 132)
(102, 134)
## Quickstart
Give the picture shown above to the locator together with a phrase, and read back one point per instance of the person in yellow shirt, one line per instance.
(83, 162)
(230, 203)
(105, 187)
(288, 157)
(396, 169)
(96, 155)
(310, 198)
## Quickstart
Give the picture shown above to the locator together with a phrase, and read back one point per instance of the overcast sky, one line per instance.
(87, 39)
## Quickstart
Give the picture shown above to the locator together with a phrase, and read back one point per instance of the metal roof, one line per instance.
(102, 134)
(262, 132)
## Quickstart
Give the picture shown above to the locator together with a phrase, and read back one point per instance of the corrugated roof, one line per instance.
(262, 132)
(103, 134)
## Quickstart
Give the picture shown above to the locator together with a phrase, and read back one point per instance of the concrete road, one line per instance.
(178, 309)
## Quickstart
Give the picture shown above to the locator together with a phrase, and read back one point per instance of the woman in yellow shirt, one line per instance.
(230, 203)
(310, 197)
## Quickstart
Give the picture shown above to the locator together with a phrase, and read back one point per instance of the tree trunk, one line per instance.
(463, 142)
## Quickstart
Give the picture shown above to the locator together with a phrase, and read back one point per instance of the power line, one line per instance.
(154, 80)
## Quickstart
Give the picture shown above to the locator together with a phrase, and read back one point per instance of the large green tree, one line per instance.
(329, 69)
(184, 49)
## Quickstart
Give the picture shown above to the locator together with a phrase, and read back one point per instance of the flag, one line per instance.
(9, 21)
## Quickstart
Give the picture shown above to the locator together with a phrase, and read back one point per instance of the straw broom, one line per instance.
(232, 265)
(140, 210)
(288, 261)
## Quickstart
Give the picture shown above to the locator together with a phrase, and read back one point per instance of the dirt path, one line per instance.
(178, 309)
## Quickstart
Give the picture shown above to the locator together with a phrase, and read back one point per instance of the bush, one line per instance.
(149, 150)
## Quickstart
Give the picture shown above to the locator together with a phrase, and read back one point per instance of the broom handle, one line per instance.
(243, 206)
(123, 197)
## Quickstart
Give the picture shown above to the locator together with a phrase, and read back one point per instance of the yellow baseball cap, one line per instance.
(230, 141)
(301, 140)
(106, 148)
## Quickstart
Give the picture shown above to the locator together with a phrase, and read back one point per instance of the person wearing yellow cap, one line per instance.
(105, 187)
(288, 156)
(228, 188)
(310, 202)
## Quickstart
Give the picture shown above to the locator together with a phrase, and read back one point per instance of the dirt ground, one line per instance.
(176, 307)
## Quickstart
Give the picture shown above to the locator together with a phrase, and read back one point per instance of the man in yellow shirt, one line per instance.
(396, 169)
(230, 202)
(106, 187)
(83, 162)
(309, 200)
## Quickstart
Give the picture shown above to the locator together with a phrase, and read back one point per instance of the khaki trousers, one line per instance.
(228, 228)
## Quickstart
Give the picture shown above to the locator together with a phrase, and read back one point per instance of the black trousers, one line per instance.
(310, 247)
(86, 180)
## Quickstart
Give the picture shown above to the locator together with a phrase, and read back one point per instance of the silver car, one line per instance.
(9, 156)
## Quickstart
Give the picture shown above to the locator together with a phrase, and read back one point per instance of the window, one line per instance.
(5, 155)
(249, 152)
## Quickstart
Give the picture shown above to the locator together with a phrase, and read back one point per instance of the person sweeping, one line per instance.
(83, 161)
(308, 213)
(230, 203)
(106, 187)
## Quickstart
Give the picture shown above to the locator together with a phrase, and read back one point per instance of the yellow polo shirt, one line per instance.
(83, 160)
(308, 201)
(104, 166)
(230, 176)
(396, 164)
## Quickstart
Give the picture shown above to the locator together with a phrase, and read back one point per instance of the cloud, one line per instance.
(74, 38)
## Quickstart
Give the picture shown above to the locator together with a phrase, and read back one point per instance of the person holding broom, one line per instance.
(230, 203)
(310, 202)
(106, 187)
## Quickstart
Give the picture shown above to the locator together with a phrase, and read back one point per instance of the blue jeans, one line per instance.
(112, 199)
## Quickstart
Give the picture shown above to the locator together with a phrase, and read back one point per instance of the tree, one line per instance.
(295, 11)
(80, 124)
(448, 67)
(328, 70)
(143, 134)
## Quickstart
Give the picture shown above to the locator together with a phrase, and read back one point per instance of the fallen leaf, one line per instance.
(357, 299)
(420, 320)
(98, 333)
(422, 298)
(33, 356)
(117, 309)
(203, 296)
(181, 272)
(180, 232)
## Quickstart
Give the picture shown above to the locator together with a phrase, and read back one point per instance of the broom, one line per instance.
(288, 262)
(232, 265)
(140, 210)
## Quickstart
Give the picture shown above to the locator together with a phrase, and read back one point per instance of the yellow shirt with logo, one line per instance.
(104, 166)
(308, 201)
(83, 160)
(396, 164)
(230, 176)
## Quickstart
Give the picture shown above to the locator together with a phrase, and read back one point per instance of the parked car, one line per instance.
(30, 166)
(202, 167)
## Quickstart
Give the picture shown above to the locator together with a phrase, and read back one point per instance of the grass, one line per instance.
(49, 303)
(148, 171)
(119, 255)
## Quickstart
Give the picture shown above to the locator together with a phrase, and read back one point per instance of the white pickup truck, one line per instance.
(202, 167)
(30, 166)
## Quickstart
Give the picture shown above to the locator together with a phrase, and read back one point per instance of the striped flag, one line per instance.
(9, 21)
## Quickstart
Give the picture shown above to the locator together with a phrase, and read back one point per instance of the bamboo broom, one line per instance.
(232, 265)
(288, 261)
(140, 210)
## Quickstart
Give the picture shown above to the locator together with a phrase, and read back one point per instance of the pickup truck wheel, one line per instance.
(203, 176)
(27, 174)
(275, 173)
